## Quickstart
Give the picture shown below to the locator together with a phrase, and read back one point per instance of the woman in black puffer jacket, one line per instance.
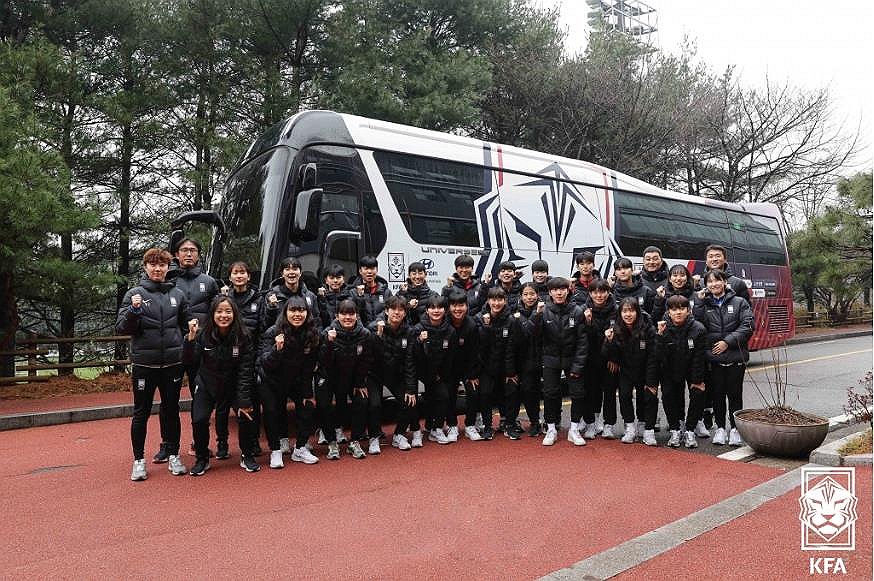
(680, 283)
(600, 314)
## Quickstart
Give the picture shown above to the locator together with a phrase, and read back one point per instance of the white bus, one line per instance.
(330, 187)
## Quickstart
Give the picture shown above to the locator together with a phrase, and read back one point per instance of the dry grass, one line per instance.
(861, 444)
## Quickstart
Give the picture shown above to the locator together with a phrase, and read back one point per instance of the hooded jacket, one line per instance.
(372, 304)
(199, 289)
(296, 361)
(465, 346)
(270, 313)
(637, 357)
(156, 326)
(603, 318)
(562, 332)
(681, 351)
(580, 292)
(656, 278)
(224, 366)
(531, 351)
(421, 293)
(540, 289)
(330, 300)
(645, 296)
(347, 359)
(498, 343)
(659, 304)
(514, 295)
(249, 304)
(729, 319)
(475, 290)
(737, 284)
(434, 356)
(393, 356)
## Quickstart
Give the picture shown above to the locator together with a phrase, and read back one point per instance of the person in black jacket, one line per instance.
(681, 354)
(679, 283)
(466, 368)
(154, 314)
(631, 346)
(715, 258)
(416, 291)
(345, 360)
(289, 285)
(333, 293)
(531, 357)
(463, 280)
(248, 302)
(499, 335)
(584, 276)
(508, 281)
(287, 360)
(370, 290)
(655, 270)
(600, 314)
(539, 278)
(224, 356)
(432, 357)
(393, 368)
(560, 326)
(729, 322)
(627, 284)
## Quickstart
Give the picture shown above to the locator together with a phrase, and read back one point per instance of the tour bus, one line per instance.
(329, 188)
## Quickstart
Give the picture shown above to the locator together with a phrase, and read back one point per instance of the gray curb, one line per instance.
(828, 455)
(817, 338)
(40, 419)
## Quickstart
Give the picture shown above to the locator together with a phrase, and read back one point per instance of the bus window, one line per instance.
(435, 198)
(250, 227)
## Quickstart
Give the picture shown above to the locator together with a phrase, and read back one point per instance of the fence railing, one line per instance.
(818, 319)
(33, 350)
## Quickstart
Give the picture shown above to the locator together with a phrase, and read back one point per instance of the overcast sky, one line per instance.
(810, 44)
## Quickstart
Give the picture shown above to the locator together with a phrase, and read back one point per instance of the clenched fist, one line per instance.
(280, 342)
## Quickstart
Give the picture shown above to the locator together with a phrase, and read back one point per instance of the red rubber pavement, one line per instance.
(501, 509)
(763, 544)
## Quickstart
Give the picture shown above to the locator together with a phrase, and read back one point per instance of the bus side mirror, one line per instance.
(307, 210)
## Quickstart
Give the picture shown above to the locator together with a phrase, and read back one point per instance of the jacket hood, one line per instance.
(657, 275)
(179, 272)
(473, 280)
(381, 283)
(729, 294)
(157, 287)
(595, 274)
(636, 283)
(351, 336)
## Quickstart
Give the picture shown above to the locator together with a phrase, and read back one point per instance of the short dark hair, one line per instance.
(558, 282)
(438, 301)
(716, 247)
(463, 260)
(368, 262)
(677, 302)
(457, 297)
(717, 274)
(539, 266)
(497, 292)
(335, 270)
(184, 240)
(655, 249)
(599, 284)
(584, 257)
(507, 265)
(396, 302)
(416, 267)
(290, 262)
(347, 306)
(239, 264)
(622, 263)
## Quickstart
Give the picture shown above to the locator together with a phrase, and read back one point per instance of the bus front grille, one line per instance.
(778, 319)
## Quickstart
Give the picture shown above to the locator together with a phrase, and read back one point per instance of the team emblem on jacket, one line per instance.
(141, 384)
(571, 323)
(505, 333)
(172, 301)
(235, 352)
(404, 343)
(640, 301)
(691, 343)
(202, 287)
(446, 343)
(730, 308)
(642, 345)
(309, 302)
(381, 299)
(254, 307)
(360, 349)
(461, 341)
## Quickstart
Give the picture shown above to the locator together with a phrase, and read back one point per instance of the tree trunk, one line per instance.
(124, 191)
(67, 312)
(8, 323)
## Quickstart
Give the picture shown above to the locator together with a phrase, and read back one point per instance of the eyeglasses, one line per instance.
(188, 251)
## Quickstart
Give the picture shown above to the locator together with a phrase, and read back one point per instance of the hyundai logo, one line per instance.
(427, 263)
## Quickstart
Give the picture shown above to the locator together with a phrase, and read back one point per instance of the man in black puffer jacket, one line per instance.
(154, 313)
(715, 259)
(369, 290)
(561, 328)
(630, 285)
(289, 285)
(655, 270)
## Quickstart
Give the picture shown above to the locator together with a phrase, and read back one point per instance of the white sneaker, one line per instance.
(591, 431)
(599, 424)
(176, 467)
(649, 438)
(354, 448)
(437, 435)
(416, 442)
(322, 438)
(674, 441)
(719, 437)
(400, 442)
(630, 433)
(607, 433)
(471, 433)
(284, 446)
(276, 459)
(333, 451)
(734, 438)
(640, 427)
(341, 437)
(373, 448)
(303, 455)
(479, 424)
(574, 437)
(550, 437)
(701, 430)
(691, 442)
(139, 471)
(452, 434)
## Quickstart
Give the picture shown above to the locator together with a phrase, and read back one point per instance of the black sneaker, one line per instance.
(162, 456)
(517, 425)
(199, 467)
(488, 433)
(248, 464)
(502, 425)
(534, 429)
(222, 451)
(511, 433)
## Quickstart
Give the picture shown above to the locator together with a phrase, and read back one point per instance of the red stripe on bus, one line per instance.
(606, 201)
(500, 166)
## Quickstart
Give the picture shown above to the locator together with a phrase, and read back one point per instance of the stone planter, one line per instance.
(792, 441)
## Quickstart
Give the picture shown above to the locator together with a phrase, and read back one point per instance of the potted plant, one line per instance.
(777, 429)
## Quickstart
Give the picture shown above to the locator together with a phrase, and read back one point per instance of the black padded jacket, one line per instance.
(156, 327)
(223, 366)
